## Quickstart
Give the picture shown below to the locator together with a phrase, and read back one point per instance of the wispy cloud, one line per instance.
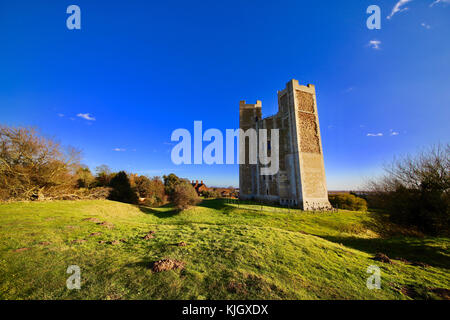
(394, 133)
(399, 8)
(60, 115)
(439, 1)
(86, 116)
(426, 26)
(374, 134)
(374, 44)
(119, 149)
(349, 89)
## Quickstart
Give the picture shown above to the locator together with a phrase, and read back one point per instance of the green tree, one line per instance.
(121, 189)
(170, 182)
(151, 189)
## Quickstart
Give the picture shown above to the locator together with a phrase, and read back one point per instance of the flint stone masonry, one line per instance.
(300, 181)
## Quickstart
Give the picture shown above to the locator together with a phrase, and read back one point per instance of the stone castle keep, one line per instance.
(300, 181)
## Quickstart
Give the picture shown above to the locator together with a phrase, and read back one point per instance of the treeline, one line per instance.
(33, 167)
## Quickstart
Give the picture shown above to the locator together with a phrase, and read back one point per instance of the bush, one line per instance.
(348, 202)
(121, 189)
(415, 191)
(184, 195)
(211, 194)
(98, 193)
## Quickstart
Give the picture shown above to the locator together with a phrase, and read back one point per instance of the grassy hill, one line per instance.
(232, 253)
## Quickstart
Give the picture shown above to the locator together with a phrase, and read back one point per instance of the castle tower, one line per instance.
(300, 180)
(249, 115)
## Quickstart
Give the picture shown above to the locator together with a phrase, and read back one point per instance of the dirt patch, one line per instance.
(106, 224)
(115, 242)
(418, 292)
(235, 287)
(167, 264)
(79, 241)
(92, 220)
(414, 263)
(45, 243)
(70, 227)
(95, 234)
(102, 241)
(123, 240)
(382, 258)
(420, 264)
(409, 291)
(182, 244)
(21, 249)
(149, 235)
(441, 292)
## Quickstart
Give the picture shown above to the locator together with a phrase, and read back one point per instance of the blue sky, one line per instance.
(141, 69)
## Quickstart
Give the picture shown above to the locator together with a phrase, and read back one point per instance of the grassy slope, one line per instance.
(232, 253)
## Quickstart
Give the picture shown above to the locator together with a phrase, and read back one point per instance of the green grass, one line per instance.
(233, 253)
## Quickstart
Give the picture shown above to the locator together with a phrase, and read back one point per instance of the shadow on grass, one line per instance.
(170, 212)
(430, 251)
(379, 223)
(217, 204)
(221, 205)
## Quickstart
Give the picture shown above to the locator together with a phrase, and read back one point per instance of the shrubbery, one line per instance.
(211, 194)
(33, 167)
(152, 190)
(348, 202)
(184, 196)
(415, 191)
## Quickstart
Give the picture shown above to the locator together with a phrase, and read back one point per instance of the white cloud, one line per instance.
(374, 134)
(394, 133)
(398, 8)
(86, 116)
(426, 26)
(119, 150)
(439, 1)
(60, 115)
(374, 44)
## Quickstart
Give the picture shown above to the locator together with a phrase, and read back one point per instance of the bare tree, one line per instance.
(416, 190)
(34, 167)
